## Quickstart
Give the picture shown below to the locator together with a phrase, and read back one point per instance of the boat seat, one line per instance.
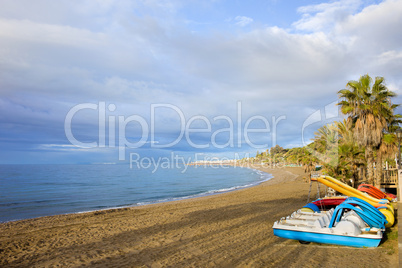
(330, 212)
(322, 222)
(318, 223)
(326, 220)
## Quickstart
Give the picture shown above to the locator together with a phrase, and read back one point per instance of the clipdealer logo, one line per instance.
(147, 128)
(329, 113)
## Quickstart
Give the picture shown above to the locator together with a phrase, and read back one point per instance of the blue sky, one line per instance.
(216, 78)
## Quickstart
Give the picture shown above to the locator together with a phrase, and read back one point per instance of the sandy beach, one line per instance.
(227, 230)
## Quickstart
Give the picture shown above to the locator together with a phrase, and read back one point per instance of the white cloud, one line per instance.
(390, 56)
(376, 29)
(243, 21)
(28, 31)
(324, 16)
(62, 147)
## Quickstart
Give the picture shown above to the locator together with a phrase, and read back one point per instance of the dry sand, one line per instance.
(226, 230)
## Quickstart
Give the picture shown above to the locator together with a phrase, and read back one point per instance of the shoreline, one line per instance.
(205, 194)
(227, 229)
(262, 179)
(177, 199)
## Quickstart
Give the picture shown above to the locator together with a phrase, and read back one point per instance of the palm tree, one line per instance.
(369, 108)
(345, 132)
(326, 138)
(301, 156)
(351, 156)
(325, 148)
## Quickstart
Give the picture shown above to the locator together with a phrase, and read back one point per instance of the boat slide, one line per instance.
(375, 192)
(381, 204)
(349, 191)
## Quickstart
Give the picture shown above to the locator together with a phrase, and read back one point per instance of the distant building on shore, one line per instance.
(214, 161)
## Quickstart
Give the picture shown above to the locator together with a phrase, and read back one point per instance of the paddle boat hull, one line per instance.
(327, 238)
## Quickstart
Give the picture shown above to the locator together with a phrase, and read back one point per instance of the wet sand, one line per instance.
(226, 230)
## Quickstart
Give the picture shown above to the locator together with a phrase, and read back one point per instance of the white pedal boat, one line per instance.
(353, 223)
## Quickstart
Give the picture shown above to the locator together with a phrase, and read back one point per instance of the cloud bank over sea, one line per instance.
(278, 60)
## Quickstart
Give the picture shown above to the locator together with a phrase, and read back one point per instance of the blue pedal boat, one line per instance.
(353, 223)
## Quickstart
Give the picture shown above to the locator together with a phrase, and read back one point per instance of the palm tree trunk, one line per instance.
(370, 165)
(355, 176)
(378, 171)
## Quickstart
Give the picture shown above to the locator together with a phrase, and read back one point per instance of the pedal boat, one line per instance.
(353, 223)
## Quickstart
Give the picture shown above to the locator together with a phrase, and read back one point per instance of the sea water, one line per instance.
(30, 191)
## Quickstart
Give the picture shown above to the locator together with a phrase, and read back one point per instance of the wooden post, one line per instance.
(399, 136)
(399, 185)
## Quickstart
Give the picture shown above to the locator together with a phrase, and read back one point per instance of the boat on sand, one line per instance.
(353, 223)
